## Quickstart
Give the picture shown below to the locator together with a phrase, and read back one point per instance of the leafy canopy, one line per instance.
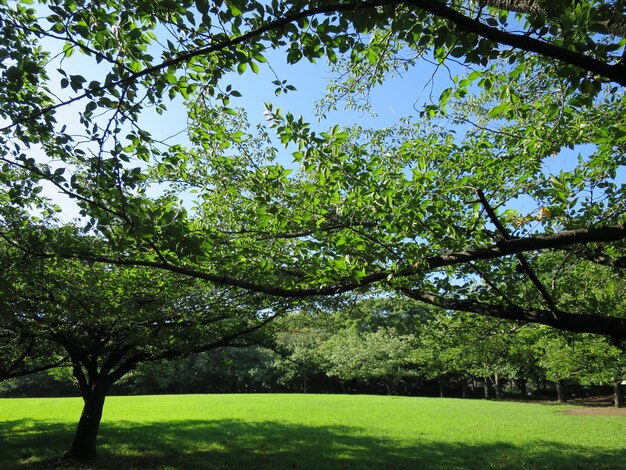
(454, 208)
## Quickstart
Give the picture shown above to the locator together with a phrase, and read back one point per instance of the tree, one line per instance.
(107, 319)
(468, 347)
(299, 354)
(382, 355)
(584, 358)
(414, 209)
(223, 370)
(22, 352)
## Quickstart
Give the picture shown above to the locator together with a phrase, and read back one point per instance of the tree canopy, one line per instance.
(456, 208)
(103, 320)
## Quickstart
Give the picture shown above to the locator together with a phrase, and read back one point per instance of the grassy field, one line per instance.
(314, 432)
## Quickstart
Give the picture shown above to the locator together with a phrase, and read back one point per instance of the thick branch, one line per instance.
(607, 234)
(614, 24)
(499, 250)
(579, 323)
(521, 259)
(521, 41)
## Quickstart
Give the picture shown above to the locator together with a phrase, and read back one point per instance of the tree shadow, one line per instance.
(235, 444)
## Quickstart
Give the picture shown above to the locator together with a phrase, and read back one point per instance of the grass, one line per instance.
(313, 432)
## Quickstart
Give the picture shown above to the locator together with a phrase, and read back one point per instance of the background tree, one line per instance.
(299, 354)
(223, 370)
(381, 356)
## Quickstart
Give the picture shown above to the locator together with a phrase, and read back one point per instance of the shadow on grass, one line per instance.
(233, 444)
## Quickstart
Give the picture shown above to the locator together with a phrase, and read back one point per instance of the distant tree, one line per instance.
(584, 359)
(439, 354)
(381, 356)
(223, 370)
(465, 347)
(299, 355)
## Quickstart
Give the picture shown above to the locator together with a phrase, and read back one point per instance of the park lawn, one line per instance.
(313, 432)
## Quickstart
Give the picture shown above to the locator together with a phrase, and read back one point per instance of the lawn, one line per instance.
(314, 432)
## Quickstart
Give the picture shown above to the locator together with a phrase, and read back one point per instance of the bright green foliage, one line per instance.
(382, 355)
(585, 358)
(457, 208)
(103, 320)
(299, 355)
(121, 316)
(425, 207)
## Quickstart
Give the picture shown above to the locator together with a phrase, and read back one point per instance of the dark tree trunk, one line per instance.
(522, 388)
(84, 444)
(497, 387)
(488, 389)
(440, 381)
(560, 391)
(618, 394)
(464, 388)
(304, 384)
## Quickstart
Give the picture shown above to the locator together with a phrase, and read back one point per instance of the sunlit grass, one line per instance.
(314, 432)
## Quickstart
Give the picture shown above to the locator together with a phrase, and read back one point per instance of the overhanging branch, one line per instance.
(521, 259)
(579, 323)
(503, 248)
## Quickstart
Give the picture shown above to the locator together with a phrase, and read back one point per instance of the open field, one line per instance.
(314, 432)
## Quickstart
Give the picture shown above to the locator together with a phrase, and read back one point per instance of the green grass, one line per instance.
(314, 432)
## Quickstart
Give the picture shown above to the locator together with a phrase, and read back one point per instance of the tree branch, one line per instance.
(523, 262)
(500, 249)
(579, 323)
(615, 24)
(615, 73)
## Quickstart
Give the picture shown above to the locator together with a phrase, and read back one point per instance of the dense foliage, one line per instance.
(104, 320)
(383, 346)
(424, 207)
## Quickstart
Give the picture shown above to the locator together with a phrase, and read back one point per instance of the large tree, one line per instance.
(107, 319)
(433, 209)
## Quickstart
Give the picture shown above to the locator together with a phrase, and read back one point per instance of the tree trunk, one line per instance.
(304, 385)
(522, 388)
(440, 381)
(618, 394)
(84, 444)
(488, 389)
(464, 388)
(497, 388)
(560, 391)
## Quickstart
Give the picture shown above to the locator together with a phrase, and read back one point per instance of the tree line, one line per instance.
(381, 345)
